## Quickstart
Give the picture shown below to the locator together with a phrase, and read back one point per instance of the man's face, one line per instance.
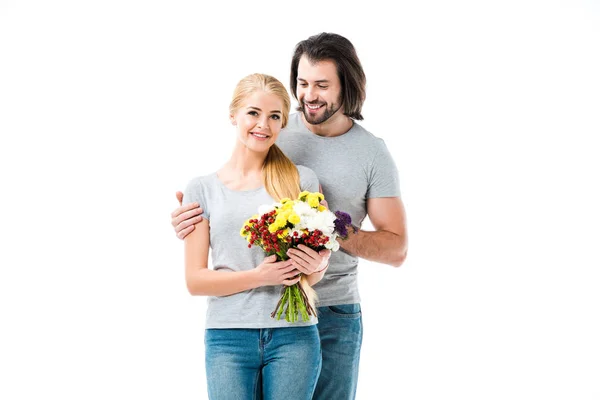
(318, 90)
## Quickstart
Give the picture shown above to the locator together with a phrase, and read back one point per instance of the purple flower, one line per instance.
(342, 222)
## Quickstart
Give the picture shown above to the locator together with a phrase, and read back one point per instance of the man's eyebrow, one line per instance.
(258, 109)
(318, 81)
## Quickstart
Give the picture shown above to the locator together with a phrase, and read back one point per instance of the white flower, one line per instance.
(306, 214)
(322, 221)
(303, 209)
(297, 230)
(333, 244)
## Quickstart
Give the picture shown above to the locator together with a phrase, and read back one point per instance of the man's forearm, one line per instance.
(379, 246)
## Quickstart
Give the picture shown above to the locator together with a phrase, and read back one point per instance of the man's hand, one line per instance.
(184, 217)
(323, 202)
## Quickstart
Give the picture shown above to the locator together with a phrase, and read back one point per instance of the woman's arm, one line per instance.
(315, 277)
(202, 281)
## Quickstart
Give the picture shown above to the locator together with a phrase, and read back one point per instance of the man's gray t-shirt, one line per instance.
(351, 168)
(227, 210)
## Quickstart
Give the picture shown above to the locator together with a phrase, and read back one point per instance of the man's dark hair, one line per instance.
(336, 48)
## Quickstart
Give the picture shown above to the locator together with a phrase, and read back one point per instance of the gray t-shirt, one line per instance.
(226, 210)
(351, 168)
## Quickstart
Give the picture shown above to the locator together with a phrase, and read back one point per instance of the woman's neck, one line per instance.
(243, 165)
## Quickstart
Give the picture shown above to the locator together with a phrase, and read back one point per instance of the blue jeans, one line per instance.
(341, 332)
(270, 364)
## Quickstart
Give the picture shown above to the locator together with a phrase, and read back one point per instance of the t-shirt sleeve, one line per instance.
(196, 192)
(383, 179)
(308, 179)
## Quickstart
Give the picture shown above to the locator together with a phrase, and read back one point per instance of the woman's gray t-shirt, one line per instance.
(227, 210)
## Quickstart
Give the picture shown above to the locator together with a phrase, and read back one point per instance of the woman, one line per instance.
(248, 353)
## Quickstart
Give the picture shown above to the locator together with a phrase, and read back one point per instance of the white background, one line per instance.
(489, 108)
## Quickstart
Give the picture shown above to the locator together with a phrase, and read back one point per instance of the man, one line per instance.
(358, 176)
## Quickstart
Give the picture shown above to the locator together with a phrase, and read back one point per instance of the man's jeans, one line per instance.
(341, 331)
(270, 364)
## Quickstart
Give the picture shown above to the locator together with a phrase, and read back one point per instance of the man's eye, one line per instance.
(322, 87)
(303, 84)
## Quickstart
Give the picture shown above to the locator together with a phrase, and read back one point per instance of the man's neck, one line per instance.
(337, 125)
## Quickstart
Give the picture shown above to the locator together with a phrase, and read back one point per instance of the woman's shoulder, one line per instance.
(202, 179)
(302, 170)
(199, 186)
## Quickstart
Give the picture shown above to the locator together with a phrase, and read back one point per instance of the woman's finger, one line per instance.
(290, 282)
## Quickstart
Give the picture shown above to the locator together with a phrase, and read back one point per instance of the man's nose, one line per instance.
(311, 94)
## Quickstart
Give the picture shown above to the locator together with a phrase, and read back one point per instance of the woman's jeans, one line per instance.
(270, 364)
(341, 332)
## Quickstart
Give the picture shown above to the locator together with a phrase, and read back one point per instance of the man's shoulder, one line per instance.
(365, 134)
(294, 122)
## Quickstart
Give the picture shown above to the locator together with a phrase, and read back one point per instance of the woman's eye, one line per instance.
(254, 113)
(275, 117)
(322, 87)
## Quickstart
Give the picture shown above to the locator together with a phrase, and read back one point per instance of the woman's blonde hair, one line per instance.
(280, 175)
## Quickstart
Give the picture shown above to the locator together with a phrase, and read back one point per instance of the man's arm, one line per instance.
(388, 243)
(184, 218)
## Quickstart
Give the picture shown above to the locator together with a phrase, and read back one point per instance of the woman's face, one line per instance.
(258, 120)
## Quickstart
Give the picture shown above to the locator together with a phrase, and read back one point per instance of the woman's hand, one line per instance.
(308, 261)
(272, 273)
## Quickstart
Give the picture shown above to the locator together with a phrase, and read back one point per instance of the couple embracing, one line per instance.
(250, 354)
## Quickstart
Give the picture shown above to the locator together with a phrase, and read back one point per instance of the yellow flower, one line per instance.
(302, 195)
(322, 208)
(283, 215)
(314, 199)
(294, 218)
(283, 234)
(279, 223)
(288, 206)
(285, 200)
(243, 231)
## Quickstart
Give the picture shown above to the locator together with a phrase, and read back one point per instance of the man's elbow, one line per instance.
(399, 257)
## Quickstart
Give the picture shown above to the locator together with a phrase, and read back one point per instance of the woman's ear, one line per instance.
(232, 119)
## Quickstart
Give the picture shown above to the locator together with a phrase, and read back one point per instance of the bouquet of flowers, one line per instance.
(287, 224)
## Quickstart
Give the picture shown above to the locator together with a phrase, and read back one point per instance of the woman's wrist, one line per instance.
(322, 269)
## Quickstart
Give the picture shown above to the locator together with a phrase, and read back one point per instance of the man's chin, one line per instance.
(314, 119)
